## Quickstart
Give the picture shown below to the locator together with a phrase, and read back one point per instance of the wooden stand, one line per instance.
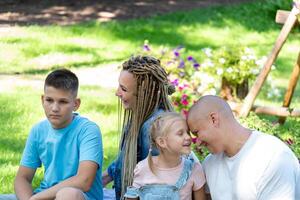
(290, 22)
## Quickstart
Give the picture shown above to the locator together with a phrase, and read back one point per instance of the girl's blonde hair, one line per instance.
(152, 90)
(160, 128)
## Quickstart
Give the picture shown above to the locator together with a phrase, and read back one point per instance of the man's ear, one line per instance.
(214, 118)
(76, 104)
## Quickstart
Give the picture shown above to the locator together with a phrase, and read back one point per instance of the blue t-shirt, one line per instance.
(61, 151)
(115, 169)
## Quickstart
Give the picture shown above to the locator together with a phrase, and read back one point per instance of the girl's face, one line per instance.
(127, 89)
(177, 140)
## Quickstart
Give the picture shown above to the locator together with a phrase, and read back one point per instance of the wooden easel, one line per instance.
(283, 111)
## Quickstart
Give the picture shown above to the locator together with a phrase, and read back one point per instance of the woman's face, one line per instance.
(127, 89)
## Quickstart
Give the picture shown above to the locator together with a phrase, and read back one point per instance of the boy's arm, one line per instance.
(22, 185)
(83, 180)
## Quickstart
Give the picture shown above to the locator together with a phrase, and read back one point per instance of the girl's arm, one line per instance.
(199, 194)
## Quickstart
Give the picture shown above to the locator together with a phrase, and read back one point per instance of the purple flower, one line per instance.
(181, 64)
(146, 47)
(190, 58)
(181, 74)
(175, 82)
(176, 53)
(196, 66)
(179, 47)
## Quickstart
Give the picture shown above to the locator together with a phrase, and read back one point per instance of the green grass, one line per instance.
(35, 49)
(21, 108)
(38, 49)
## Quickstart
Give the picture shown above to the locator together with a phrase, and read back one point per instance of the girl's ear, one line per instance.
(161, 142)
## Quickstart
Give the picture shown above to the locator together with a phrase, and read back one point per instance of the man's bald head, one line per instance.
(209, 104)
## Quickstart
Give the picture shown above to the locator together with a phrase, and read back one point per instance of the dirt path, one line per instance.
(103, 76)
(65, 12)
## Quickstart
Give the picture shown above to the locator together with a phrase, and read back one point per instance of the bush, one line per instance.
(193, 78)
(271, 6)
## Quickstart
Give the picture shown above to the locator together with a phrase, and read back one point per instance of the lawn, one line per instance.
(38, 49)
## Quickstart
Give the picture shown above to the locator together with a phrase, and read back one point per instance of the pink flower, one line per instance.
(194, 140)
(184, 102)
(184, 112)
(184, 96)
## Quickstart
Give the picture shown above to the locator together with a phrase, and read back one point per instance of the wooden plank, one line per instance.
(281, 16)
(249, 100)
(276, 111)
(291, 87)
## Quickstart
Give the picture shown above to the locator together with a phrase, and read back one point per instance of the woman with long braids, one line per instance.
(143, 92)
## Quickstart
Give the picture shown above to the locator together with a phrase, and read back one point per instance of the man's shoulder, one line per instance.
(211, 160)
(265, 141)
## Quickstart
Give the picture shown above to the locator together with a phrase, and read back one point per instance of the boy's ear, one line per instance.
(42, 98)
(76, 104)
(161, 142)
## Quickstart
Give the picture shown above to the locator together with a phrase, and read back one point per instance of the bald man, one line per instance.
(243, 164)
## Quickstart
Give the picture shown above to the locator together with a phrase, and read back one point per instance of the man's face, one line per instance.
(59, 105)
(206, 132)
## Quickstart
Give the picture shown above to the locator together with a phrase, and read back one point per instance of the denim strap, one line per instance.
(185, 174)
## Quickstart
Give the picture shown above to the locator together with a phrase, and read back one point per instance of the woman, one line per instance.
(143, 91)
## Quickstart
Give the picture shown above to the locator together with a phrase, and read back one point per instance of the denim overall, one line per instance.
(162, 191)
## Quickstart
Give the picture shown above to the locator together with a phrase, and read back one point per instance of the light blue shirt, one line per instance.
(61, 151)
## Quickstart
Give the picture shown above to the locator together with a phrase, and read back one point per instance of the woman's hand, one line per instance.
(106, 179)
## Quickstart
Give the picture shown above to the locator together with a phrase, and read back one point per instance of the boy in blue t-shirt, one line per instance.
(67, 145)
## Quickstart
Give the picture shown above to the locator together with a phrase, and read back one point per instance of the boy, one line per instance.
(67, 145)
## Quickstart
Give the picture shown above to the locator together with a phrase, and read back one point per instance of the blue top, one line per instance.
(143, 144)
(61, 150)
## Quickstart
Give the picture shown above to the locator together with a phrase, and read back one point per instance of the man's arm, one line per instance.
(83, 180)
(22, 185)
(199, 194)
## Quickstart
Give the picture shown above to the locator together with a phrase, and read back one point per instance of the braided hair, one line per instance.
(152, 90)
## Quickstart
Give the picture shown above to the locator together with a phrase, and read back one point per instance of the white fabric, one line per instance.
(265, 168)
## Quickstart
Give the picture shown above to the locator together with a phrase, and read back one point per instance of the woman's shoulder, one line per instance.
(152, 117)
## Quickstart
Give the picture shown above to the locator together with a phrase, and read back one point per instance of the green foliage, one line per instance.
(271, 6)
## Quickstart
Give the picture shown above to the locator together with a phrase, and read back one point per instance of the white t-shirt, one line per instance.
(265, 168)
(143, 175)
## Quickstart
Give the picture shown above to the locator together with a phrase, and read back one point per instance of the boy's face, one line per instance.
(59, 105)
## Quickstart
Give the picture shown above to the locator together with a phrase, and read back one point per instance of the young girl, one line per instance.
(159, 177)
